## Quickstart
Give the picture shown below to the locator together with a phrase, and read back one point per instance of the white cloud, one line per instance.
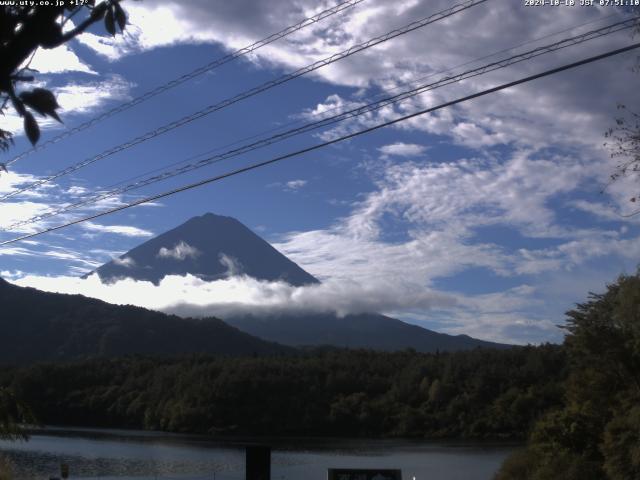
(191, 296)
(561, 116)
(113, 48)
(59, 60)
(290, 186)
(401, 149)
(50, 252)
(69, 256)
(442, 206)
(474, 136)
(162, 24)
(504, 327)
(439, 206)
(40, 202)
(17, 252)
(181, 251)
(29, 204)
(79, 98)
(75, 98)
(296, 184)
(77, 190)
(334, 104)
(442, 203)
(12, 212)
(499, 319)
(232, 264)
(561, 113)
(237, 24)
(125, 230)
(126, 262)
(12, 274)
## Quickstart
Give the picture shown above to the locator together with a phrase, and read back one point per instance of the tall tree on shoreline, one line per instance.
(596, 434)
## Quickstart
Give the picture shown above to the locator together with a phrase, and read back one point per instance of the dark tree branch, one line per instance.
(96, 15)
(24, 29)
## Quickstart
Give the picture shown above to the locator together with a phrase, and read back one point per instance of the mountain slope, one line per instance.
(205, 245)
(372, 331)
(210, 247)
(39, 326)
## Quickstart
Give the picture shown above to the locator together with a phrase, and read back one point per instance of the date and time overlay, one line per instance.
(581, 3)
(527, 3)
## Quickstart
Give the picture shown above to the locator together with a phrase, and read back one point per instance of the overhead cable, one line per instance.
(189, 76)
(251, 92)
(325, 144)
(331, 120)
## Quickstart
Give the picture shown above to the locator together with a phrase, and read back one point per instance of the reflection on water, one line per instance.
(127, 455)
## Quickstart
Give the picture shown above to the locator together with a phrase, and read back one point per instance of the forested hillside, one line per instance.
(473, 394)
(40, 326)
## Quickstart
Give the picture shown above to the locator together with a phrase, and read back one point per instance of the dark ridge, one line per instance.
(41, 326)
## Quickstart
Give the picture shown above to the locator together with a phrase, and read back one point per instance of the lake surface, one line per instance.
(132, 455)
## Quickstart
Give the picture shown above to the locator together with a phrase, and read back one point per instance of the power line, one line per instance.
(327, 143)
(327, 121)
(254, 91)
(398, 86)
(189, 76)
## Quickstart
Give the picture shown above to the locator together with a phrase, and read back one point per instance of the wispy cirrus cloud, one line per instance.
(126, 230)
(444, 207)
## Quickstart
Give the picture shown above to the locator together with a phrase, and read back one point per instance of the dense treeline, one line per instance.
(472, 394)
(595, 433)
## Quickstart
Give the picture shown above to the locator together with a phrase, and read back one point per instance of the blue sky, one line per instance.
(486, 218)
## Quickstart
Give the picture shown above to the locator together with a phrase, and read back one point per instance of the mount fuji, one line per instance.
(214, 247)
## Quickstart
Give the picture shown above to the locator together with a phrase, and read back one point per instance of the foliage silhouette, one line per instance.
(597, 429)
(24, 29)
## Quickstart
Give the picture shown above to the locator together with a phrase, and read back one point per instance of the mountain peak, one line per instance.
(212, 217)
(208, 246)
(214, 247)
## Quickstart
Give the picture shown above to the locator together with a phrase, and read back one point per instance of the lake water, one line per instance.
(132, 455)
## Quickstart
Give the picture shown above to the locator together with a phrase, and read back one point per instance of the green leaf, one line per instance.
(31, 128)
(121, 16)
(42, 101)
(109, 23)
